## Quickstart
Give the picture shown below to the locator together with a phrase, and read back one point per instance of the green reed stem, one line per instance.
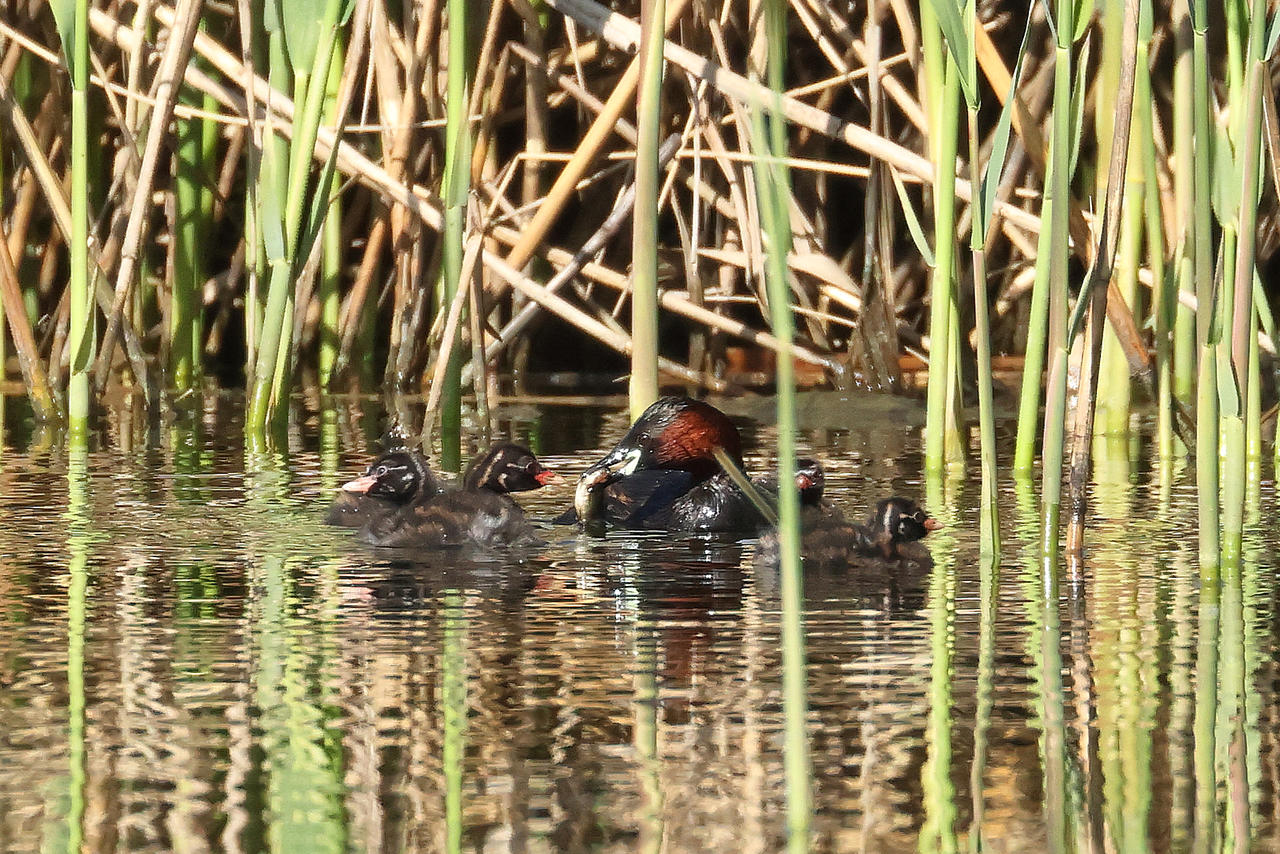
(989, 518)
(1056, 193)
(82, 310)
(643, 385)
(1115, 387)
(453, 671)
(1243, 318)
(455, 190)
(1207, 474)
(939, 830)
(1029, 434)
(773, 185)
(79, 543)
(941, 289)
(645, 736)
(190, 232)
(282, 214)
(1206, 716)
(988, 605)
(1164, 289)
(1184, 334)
(331, 260)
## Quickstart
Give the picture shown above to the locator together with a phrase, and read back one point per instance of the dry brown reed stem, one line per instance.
(602, 333)
(53, 188)
(167, 83)
(624, 34)
(349, 322)
(1097, 286)
(399, 108)
(43, 399)
(909, 106)
(833, 283)
(450, 333)
(561, 191)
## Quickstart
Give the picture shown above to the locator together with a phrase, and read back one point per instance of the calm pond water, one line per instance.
(190, 660)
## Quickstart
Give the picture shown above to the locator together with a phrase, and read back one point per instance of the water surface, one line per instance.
(190, 660)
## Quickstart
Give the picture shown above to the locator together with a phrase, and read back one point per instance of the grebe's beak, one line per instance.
(360, 485)
(547, 476)
(618, 463)
(932, 524)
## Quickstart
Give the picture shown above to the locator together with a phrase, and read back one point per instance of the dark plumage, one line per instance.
(829, 539)
(392, 481)
(664, 474)
(480, 513)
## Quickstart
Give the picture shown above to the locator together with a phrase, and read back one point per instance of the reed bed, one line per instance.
(422, 198)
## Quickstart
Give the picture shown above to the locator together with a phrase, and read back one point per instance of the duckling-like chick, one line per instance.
(664, 474)
(481, 513)
(829, 539)
(392, 481)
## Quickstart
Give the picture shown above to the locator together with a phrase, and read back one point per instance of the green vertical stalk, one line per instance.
(1184, 349)
(643, 386)
(284, 199)
(990, 520)
(1115, 390)
(1057, 194)
(78, 545)
(773, 185)
(82, 314)
(645, 736)
(331, 260)
(1207, 482)
(988, 604)
(1243, 321)
(453, 670)
(1164, 289)
(939, 830)
(941, 289)
(190, 229)
(1206, 716)
(457, 185)
(1028, 437)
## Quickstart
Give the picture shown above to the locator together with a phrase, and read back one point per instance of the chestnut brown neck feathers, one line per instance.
(694, 434)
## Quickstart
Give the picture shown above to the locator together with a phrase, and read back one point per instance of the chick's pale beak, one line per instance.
(547, 476)
(360, 485)
(932, 524)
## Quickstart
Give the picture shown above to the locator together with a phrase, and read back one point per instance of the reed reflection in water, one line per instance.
(190, 660)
